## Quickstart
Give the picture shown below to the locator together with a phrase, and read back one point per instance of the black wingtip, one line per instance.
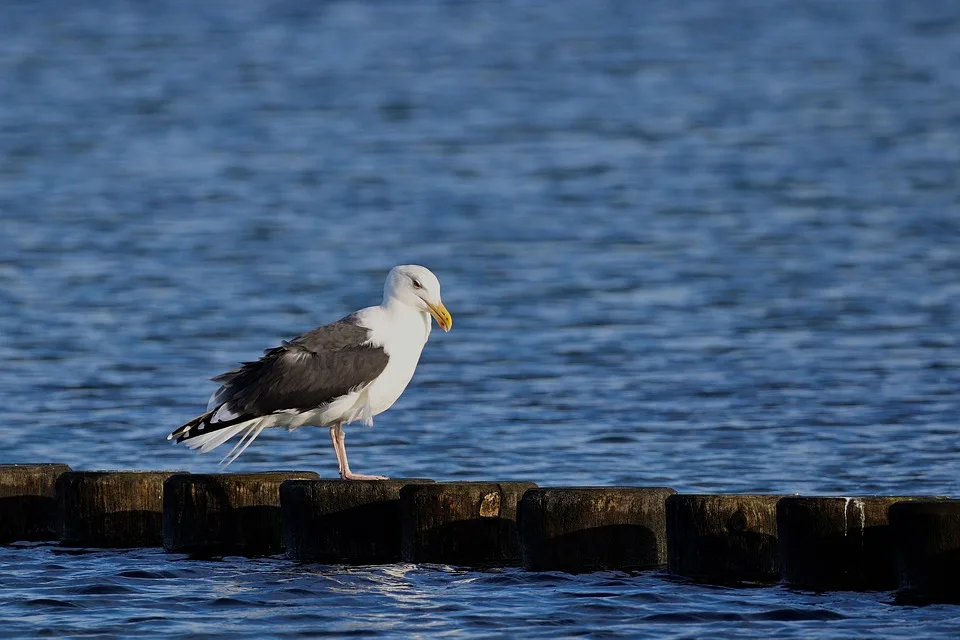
(186, 431)
(201, 425)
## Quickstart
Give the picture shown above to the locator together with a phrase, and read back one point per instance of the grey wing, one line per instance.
(305, 373)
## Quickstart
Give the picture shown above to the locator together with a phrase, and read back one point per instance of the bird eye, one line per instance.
(417, 285)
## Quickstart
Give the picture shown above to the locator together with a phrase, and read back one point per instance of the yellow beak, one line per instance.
(441, 315)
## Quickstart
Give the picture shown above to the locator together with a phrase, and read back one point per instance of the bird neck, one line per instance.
(402, 311)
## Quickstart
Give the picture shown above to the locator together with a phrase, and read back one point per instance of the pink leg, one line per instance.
(341, 447)
(338, 448)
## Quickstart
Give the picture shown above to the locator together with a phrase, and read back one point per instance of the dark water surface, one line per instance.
(708, 245)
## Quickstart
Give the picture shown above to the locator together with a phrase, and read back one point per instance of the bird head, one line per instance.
(417, 287)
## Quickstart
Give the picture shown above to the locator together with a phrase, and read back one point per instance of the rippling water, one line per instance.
(709, 245)
(147, 592)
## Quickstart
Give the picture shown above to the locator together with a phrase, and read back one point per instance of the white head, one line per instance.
(417, 287)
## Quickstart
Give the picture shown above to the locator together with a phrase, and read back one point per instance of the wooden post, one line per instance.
(461, 523)
(926, 542)
(836, 543)
(207, 515)
(28, 501)
(579, 529)
(111, 508)
(343, 521)
(724, 539)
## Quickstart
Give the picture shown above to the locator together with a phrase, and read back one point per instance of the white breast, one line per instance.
(401, 331)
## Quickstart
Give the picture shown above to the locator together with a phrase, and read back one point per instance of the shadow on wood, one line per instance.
(28, 501)
(723, 539)
(835, 543)
(926, 544)
(581, 529)
(470, 524)
(113, 509)
(343, 522)
(211, 515)
(622, 547)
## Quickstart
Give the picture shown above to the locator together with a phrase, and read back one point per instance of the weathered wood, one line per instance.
(838, 543)
(28, 501)
(353, 522)
(723, 538)
(926, 542)
(579, 529)
(111, 508)
(208, 515)
(461, 523)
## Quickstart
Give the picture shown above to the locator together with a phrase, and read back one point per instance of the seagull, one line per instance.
(347, 371)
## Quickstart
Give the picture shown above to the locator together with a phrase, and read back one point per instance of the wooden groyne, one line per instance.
(111, 509)
(723, 538)
(221, 514)
(926, 548)
(580, 529)
(28, 501)
(337, 522)
(837, 543)
(461, 523)
(909, 543)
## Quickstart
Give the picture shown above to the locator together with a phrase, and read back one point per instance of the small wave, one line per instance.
(694, 617)
(141, 574)
(501, 579)
(53, 603)
(612, 440)
(796, 615)
(104, 589)
(139, 619)
(230, 602)
(308, 618)
(553, 621)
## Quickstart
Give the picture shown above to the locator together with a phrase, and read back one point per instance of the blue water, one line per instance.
(707, 245)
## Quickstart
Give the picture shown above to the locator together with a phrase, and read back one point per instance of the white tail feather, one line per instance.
(249, 430)
(252, 432)
(209, 441)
